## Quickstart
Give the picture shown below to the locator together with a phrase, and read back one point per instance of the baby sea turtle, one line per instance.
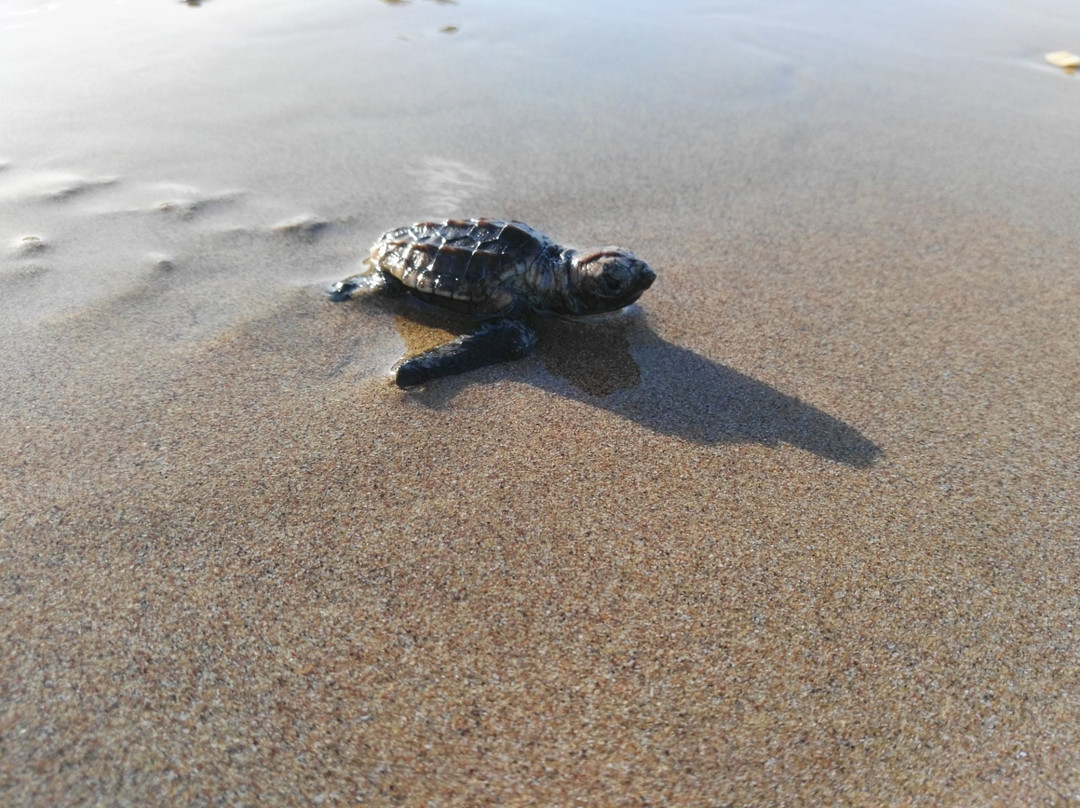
(500, 272)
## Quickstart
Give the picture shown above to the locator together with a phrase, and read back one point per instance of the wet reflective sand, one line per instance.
(800, 528)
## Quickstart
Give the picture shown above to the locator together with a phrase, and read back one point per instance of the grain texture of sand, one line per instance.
(799, 529)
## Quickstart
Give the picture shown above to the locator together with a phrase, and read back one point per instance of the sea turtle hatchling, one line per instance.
(500, 272)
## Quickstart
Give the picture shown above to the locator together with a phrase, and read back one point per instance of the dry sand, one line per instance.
(801, 529)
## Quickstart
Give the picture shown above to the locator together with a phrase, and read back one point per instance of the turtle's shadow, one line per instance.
(674, 391)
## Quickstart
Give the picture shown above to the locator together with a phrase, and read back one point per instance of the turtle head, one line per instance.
(608, 280)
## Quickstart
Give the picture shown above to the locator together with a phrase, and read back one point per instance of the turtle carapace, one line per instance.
(498, 272)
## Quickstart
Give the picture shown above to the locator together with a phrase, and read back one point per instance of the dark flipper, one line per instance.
(497, 341)
(365, 282)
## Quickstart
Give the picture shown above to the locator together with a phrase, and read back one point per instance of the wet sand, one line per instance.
(801, 528)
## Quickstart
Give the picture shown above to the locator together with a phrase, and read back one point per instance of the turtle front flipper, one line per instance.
(497, 341)
(364, 283)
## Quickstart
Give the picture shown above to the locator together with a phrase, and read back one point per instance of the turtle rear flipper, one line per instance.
(497, 341)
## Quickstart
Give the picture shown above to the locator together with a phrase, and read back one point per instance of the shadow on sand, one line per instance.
(674, 391)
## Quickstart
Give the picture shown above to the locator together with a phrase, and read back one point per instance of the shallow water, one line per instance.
(182, 136)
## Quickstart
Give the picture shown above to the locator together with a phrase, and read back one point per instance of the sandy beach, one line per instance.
(800, 528)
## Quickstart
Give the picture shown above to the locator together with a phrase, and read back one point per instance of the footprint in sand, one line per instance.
(188, 207)
(49, 186)
(24, 249)
(65, 191)
(447, 186)
(160, 262)
(29, 247)
(305, 228)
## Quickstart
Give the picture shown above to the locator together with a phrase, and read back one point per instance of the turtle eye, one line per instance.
(611, 284)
